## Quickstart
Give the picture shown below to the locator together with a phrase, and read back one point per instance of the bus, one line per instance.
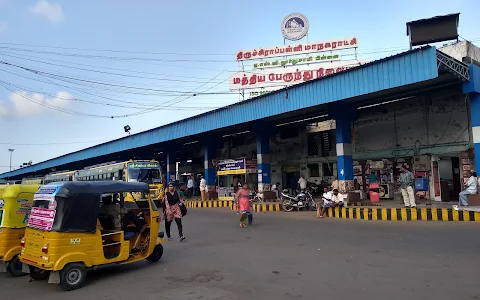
(147, 171)
(59, 176)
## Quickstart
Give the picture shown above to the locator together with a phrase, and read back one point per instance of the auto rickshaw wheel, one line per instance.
(14, 267)
(73, 276)
(38, 274)
(156, 254)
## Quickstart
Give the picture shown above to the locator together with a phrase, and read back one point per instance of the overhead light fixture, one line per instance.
(189, 161)
(234, 134)
(194, 142)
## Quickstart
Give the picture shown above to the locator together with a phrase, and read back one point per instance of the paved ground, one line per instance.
(290, 256)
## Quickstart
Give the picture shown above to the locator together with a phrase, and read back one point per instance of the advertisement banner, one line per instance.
(41, 218)
(287, 76)
(305, 48)
(296, 61)
(231, 166)
(47, 192)
(251, 164)
(18, 212)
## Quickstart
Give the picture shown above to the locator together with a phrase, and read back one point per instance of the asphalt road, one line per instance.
(290, 256)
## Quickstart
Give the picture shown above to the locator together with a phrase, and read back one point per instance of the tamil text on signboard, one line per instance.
(305, 48)
(231, 166)
(286, 76)
(296, 61)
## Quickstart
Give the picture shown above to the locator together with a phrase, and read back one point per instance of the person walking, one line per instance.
(203, 188)
(470, 188)
(190, 187)
(242, 198)
(172, 204)
(406, 183)
(196, 192)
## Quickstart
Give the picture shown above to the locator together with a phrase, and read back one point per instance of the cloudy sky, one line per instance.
(73, 73)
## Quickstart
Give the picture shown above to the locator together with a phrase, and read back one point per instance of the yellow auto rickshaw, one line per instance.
(72, 228)
(15, 204)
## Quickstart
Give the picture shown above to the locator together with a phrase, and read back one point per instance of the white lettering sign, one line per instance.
(296, 61)
(286, 50)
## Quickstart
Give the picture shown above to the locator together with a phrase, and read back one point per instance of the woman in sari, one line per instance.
(243, 204)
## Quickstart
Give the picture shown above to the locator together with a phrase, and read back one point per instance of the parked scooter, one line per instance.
(256, 197)
(302, 200)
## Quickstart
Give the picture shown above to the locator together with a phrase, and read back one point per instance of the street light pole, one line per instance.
(11, 153)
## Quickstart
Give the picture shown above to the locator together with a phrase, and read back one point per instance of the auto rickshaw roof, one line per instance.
(73, 188)
(12, 191)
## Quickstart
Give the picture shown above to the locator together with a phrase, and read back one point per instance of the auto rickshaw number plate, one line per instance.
(75, 241)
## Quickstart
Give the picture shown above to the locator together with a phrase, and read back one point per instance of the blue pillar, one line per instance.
(344, 114)
(263, 133)
(472, 88)
(210, 171)
(171, 168)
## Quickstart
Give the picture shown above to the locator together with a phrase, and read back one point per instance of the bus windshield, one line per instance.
(144, 175)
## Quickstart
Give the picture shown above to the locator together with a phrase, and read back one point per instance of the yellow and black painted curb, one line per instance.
(402, 214)
(208, 203)
(263, 207)
(257, 207)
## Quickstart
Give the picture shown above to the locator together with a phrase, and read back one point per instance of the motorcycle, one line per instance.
(256, 197)
(315, 188)
(302, 200)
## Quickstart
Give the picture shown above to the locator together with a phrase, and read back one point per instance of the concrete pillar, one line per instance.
(344, 114)
(210, 171)
(263, 160)
(472, 88)
(171, 168)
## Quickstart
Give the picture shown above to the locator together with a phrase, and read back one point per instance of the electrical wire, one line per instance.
(52, 143)
(84, 92)
(102, 72)
(48, 74)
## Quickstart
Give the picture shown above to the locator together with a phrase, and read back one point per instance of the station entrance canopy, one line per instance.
(391, 78)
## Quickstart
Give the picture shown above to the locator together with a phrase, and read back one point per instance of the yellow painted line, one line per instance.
(374, 215)
(395, 216)
(358, 213)
(403, 214)
(414, 215)
(384, 214)
(444, 214)
(434, 214)
(423, 212)
(476, 217)
(350, 212)
(455, 215)
(466, 216)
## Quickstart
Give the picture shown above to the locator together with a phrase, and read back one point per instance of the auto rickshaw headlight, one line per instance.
(45, 248)
(22, 242)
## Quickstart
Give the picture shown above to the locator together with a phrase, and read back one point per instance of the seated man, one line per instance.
(327, 202)
(337, 199)
(112, 210)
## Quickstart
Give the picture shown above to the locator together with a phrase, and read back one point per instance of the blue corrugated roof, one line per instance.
(402, 69)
